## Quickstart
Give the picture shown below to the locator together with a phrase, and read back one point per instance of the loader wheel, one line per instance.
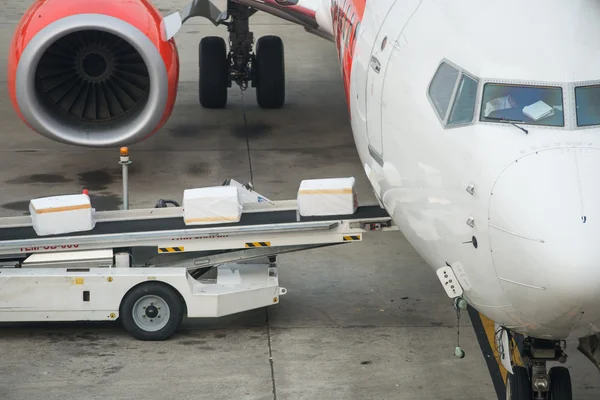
(152, 311)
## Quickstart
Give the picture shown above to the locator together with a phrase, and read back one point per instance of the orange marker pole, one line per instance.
(124, 152)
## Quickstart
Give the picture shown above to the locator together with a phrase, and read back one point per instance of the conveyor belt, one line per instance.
(169, 224)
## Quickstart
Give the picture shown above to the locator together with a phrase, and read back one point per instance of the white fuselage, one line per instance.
(534, 206)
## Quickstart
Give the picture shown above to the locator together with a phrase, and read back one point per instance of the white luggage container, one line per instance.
(321, 197)
(212, 205)
(61, 214)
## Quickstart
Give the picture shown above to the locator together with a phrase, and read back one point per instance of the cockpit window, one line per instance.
(534, 105)
(442, 87)
(587, 100)
(464, 104)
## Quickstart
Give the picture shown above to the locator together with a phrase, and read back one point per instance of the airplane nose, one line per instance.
(544, 235)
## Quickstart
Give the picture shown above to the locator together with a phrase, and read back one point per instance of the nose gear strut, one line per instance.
(241, 41)
(534, 381)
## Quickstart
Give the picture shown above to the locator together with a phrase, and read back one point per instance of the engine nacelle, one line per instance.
(93, 73)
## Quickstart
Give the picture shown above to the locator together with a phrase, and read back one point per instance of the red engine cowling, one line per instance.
(93, 73)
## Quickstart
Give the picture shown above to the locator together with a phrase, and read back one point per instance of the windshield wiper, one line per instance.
(510, 121)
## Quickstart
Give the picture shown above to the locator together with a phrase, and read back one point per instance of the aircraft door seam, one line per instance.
(376, 65)
(376, 156)
(409, 19)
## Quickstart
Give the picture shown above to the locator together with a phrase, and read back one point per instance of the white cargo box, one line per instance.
(62, 214)
(320, 197)
(212, 205)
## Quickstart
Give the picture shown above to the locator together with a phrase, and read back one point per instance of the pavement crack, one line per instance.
(247, 139)
(271, 363)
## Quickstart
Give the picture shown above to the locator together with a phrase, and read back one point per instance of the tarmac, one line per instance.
(362, 321)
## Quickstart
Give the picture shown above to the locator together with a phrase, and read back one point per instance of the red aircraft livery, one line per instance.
(346, 16)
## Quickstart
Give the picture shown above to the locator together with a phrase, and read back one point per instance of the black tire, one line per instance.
(213, 79)
(518, 385)
(560, 384)
(269, 72)
(156, 290)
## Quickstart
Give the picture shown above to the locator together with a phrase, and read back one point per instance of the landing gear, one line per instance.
(269, 72)
(560, 384)
(219, 69)
(214, 78)
(534, 382)
(518, 385)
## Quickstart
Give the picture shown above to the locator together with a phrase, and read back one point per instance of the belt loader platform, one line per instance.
(148, 268)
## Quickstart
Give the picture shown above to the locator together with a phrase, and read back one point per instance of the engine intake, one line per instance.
(93, 79)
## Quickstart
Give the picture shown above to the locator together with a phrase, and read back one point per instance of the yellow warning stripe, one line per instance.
(77, 281)
(490, 331)
(258, 244)
(170, 249)
(325, 191)
(212, 219)
(351, 238)
(61, 209)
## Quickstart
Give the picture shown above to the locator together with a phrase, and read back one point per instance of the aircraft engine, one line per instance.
(95, 73)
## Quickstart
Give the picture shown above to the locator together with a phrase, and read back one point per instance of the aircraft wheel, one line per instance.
(213, 79)
(518, 385)
(269, 72)
(152, 311)
(560, 384)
